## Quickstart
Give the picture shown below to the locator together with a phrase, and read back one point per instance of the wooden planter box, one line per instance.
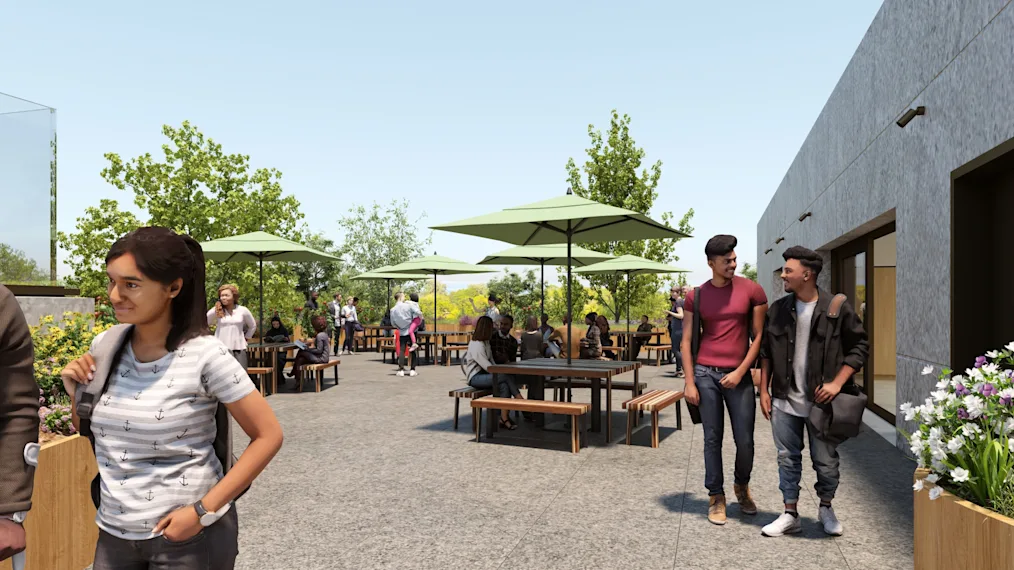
(954, 534)
(61, 525)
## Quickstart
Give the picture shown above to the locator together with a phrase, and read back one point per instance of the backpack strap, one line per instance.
(106, 354)
(695, 336)
(834, 309)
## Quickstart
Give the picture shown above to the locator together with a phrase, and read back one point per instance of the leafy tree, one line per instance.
(318, 275)
(519, 294)
(197, 189)
(87, 247)
(615, 177)
(556, 298)
(17, 267)
(376, 236)
(749, 271)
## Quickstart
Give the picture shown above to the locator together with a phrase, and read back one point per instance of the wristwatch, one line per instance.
(209, 518)
(18, 517)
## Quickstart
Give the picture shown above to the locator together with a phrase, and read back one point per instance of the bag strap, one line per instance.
(833, 312)
(695, 336)
(107, 355)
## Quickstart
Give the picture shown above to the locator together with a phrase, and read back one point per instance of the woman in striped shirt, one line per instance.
(165, 501)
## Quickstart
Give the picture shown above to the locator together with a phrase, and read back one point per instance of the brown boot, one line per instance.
(746, 504)
(716, 509)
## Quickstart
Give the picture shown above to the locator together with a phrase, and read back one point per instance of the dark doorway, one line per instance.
(982, 269)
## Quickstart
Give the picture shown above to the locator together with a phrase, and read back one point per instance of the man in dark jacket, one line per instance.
(19, 422)
(807, 357)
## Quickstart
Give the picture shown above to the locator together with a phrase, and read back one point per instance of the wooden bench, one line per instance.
(385, 345)
(576, 411)
(469, 393)
(445, 352)
(559, 385)
(653, 401)
(318, 370)
(264, 372)
(659, 350)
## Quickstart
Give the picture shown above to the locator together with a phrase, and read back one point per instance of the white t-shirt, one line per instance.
(798, 404)
(154, 431)
(234, 327)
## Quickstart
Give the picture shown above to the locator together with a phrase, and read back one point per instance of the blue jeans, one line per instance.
(742, 412)
(788, 434)
(676, 335)
(484, 381)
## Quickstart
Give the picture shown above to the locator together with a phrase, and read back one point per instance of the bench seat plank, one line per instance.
(318, 370)
(653, 402)
(578, 411)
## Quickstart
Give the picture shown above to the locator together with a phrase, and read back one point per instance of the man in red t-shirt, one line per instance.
(730, 306)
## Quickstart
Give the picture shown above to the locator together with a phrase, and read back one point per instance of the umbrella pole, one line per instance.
(260, 314)
(433, 335)
(630, 340)
(542, 281)
(570, 321)
(388, 295)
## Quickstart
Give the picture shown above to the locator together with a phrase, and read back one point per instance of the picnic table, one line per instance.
(375, 333)
(594, 370)
(624, 338)
(263, 354)
(428, 341)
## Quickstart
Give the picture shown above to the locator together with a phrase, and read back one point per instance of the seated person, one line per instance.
(277, 332)
(559, 339)
(591, 344)
(546, 329)
(476, 362)
(319, 353)
(532, 344)
(638, 341)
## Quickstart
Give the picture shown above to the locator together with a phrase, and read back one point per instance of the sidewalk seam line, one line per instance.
(686, 480)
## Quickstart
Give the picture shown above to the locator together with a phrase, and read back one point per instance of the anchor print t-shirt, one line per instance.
(154, 431)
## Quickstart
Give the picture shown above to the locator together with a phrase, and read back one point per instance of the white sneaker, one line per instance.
(784, 524)
(401, 373)
(413, 373)
(827, 518)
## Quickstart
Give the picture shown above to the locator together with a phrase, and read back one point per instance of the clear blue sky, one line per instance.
(462, 107)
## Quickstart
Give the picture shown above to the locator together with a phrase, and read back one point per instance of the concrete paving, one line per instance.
(372, 475)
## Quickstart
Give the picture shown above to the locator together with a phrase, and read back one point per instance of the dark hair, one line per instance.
(483, 329)
(277, 319)
(644, 317)
(414, 297)
(354, 300)
(806, 257)
(604, 326)
(592, 315)
(319, 323)
(720, 245)
(508, 316)
(164, 256)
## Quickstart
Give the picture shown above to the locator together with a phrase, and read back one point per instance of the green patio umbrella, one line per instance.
(261, 247)
(434, 265)
(381, 275)
(629, 265)
(568, 219)
(542, 255)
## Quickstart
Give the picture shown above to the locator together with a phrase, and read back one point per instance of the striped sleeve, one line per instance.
(228, 382)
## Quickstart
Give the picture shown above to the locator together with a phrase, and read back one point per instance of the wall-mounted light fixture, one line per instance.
(911, 114)
(780, 240)
(767, 251)
(805, 215)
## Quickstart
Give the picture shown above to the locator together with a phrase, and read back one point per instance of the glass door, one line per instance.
(851, 280)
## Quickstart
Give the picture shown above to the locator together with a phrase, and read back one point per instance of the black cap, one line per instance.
(494, 298)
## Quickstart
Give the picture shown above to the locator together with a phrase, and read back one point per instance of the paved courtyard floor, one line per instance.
(372, 475)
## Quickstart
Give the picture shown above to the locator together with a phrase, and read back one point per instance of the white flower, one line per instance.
(943, 384)
(1010, 347)
(1007, 393)
(993, 354)
(908, 411)
(917, 486)
(974, 406)
(1010, 445)
(933, 478)
(990, 369)
(957, 381)
(955, 444)
(939, 395)
(974, 373)
(970, 429)
(935, 493)
(1008, 426)
(938, 466)
(926, 371)
(939, 454)
(917, 447)
(959, 474)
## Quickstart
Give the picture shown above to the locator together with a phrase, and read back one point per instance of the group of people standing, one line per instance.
(809, 353)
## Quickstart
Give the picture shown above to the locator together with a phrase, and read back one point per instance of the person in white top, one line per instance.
(163, 499)
(476, 362)
(351, 320)
(491, 310)
(233, 324)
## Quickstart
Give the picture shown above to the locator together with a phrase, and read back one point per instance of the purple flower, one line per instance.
(980, 361)
(1005, 400)
(962, 390)
(989, 390)
(962, 413)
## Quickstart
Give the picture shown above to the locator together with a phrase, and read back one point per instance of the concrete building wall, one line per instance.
(37, 307)
(857, 170)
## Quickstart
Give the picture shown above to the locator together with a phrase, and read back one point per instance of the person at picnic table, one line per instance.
(164, 498)
(591, 344)
(603, 323)
(476, 363)
(559, 338)
(545, 328)
(639, 341)
(532, 343)
(277, 333)
(490, 311)
(233, 324)
(319, 353)
(402, 316)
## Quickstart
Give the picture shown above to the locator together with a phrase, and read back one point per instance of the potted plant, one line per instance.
(964, 487)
